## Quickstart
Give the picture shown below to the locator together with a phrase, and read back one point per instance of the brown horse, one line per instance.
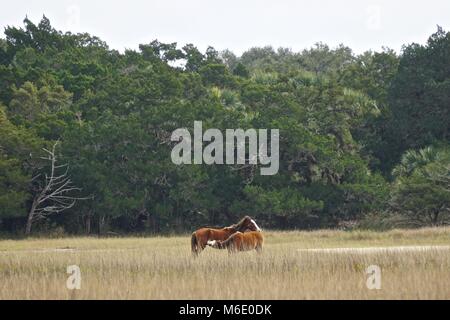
(201, 236)
(239, 241)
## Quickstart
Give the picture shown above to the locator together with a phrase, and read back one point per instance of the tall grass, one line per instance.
(162, 268)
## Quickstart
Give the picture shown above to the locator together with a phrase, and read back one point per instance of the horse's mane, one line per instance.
(238, 226)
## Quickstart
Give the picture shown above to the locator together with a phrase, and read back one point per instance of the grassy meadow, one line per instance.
(163, 268)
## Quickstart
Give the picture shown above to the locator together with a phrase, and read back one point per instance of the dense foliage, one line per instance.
(345, 120)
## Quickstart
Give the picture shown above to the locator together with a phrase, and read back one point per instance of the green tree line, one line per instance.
(363, 138)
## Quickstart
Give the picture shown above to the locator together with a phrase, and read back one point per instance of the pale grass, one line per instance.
(162, 268)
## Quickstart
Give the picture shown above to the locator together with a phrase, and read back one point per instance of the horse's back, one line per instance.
(213, 234)
(255, 235)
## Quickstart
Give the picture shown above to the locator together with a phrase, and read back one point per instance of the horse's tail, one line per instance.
(260, 243)
(194, 244)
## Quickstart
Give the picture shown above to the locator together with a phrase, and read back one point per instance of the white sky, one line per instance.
(240, 24)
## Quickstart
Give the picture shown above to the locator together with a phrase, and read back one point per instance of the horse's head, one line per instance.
(249, 224)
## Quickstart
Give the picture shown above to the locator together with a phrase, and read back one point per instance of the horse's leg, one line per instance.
(198, 250)
(258, 248)
(231, 247)
(200, 245)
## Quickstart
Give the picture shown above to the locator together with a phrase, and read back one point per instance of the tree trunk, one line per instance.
(30, 218)
(88, 223)
(101, 221)
(435, 218)
(28, 225)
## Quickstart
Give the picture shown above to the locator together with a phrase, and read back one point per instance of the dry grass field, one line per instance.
(162, 267)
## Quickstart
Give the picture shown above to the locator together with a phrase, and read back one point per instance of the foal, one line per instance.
(239, 241)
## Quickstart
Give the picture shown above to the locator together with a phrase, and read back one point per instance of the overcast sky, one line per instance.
(241, 24)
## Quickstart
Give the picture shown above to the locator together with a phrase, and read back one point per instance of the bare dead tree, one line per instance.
(52, 192)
